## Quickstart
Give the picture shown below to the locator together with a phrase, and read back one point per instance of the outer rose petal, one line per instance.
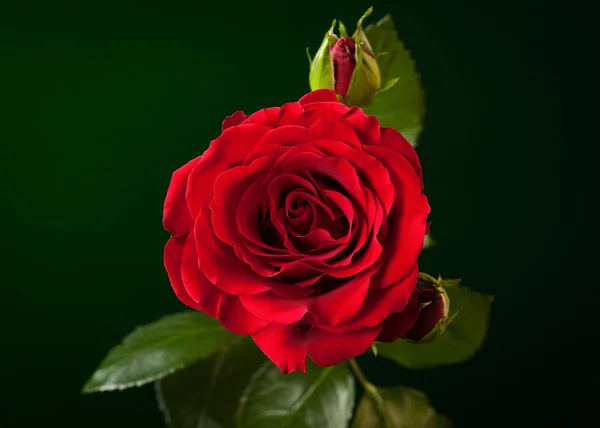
(229, 188)
(398, 324)
(288, 345)
(336, 130)
(380, 303)
(273, 117)
(330, 308)
(176, 215)
(220, 264)
(173, 251)
(367, 127)
(323, 111)
(197, 285)
(394, 140)
(410, 211)
(225, 152)
(235, 318)
(286, 135)
(342, 303)
(212, 301)
(233, 120)
(319, 96)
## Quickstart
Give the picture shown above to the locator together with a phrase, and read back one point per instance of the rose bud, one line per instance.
(435, 305)
(347, 65)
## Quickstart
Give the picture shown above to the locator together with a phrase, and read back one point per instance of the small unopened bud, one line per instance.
(347, 65)
(343, 55)
(435, 306)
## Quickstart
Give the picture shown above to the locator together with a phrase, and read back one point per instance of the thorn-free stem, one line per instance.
(373, 393)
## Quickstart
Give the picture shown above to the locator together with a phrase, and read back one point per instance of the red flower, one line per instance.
(301, 225)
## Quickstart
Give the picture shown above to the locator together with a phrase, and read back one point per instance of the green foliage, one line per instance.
(400, 103)
(155, 350)
(208, 393)
(405, 408)
(319, 398)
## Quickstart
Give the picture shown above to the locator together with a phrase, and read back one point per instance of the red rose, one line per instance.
(301, 226)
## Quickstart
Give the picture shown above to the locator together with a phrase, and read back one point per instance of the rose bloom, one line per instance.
(301, 225)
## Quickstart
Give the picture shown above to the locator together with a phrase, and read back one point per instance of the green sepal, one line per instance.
(321, 69)
(437, 331)
(366, 79)
(374, 349)
(360, 34)
(388, 84)
(342, 28)
(450, 282)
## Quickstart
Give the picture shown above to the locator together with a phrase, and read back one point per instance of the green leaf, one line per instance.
(401, 106)
(406, 407)
(461, 339)
(319, 398)
(158, 349)
(207, 394)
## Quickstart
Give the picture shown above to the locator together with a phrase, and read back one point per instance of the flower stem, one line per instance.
(373, 393)
(358, 372)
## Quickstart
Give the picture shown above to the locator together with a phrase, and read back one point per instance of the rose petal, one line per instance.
(229, 188)
(371, 170)
(315, 112)
(287, 135)
(318, 96)
(407, 222)
(220, 264)
(212, 301)
(398, 324)
(300, 273)
(380, 303)
(394, 140)
(367, 127)
(233, 120)
(288, 345)
(324, 308)
(199, 288)
(344, 221)
(172, 258)
(341, 303)
(338, 170)
(235, 318)
(328, 349)
(290, 114)
(336, 130)
(176, 215)
(226, 152)
(250, 206)
(273, 308)
(267, 117)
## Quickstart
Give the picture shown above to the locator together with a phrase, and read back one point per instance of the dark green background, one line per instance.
(101, 102)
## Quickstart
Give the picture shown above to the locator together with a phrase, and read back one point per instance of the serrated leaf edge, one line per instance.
(121, 387)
